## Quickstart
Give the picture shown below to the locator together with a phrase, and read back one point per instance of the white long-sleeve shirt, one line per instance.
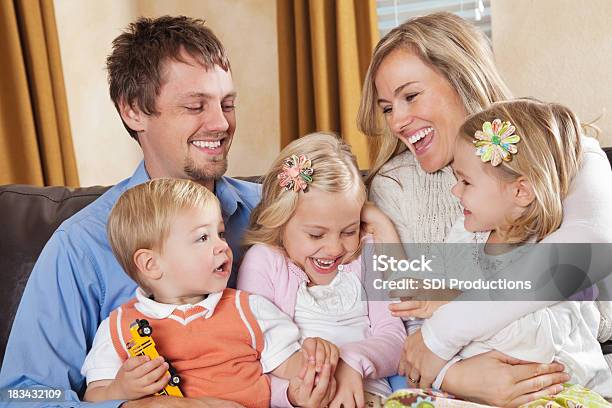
(412, 198)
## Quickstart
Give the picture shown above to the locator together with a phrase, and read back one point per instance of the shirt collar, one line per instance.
(226, 193)
(228, 196)
(140, 176)
(157, 310)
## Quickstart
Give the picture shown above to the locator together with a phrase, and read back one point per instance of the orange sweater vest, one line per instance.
(215, 357)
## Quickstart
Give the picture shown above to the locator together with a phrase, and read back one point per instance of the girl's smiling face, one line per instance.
(488, 201)
(323, 232)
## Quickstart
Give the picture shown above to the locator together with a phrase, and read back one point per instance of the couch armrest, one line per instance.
(28, 217)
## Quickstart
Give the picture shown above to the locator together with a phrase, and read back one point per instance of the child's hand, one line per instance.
(374, 220)
(421, 309)
(139, 377)
(370, 216)
(321, 352)
(312, 389)
(350, 388)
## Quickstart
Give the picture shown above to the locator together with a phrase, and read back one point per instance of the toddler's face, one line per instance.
(487, 201)
(323, 233)
(196, 259)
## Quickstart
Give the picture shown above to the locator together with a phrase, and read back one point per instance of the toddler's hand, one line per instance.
(139, 377)
(309, 389)
(350, 388)
(321, 352)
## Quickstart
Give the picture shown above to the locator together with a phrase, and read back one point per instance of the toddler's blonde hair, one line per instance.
(335, 170)
(549, 157)
(142, 216)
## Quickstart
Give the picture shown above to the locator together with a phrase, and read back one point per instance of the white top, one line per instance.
(587, 218)
(565, 332)
(419, 203)
(336, 313)
(281, 335)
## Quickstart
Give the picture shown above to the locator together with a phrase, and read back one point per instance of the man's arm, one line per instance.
(55, 322)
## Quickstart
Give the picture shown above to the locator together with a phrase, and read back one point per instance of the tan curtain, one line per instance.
(35, 140)
(324, 52)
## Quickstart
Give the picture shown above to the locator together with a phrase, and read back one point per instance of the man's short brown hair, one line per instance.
(139, 53)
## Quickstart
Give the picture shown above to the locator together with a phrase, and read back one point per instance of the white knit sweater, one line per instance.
(420, 204)
(423, 210)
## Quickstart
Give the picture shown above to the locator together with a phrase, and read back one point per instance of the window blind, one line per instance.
(392, 13)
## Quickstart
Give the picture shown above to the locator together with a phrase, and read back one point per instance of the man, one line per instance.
(171, 82)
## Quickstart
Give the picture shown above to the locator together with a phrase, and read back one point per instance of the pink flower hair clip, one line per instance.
(296, 173)
(496, 142)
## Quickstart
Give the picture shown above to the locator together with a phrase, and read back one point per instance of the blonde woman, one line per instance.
(425, 78)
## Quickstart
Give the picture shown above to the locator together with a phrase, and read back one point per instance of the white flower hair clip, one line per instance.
(496, 142)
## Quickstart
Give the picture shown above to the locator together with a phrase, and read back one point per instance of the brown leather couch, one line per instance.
(28, 217)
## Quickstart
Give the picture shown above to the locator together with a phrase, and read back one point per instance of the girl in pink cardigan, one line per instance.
(305, 257)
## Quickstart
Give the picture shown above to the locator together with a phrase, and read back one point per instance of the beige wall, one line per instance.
(558, 50)
(105, 152)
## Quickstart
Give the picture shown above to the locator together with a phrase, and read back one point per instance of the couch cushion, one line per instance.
(28, 217)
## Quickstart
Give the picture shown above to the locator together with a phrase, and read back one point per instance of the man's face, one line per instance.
(192, 134)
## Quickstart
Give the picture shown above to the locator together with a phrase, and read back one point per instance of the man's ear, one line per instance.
(147, 262)
(132, 115)
(523, 192)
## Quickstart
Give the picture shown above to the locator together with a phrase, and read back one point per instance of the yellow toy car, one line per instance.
(142, 344)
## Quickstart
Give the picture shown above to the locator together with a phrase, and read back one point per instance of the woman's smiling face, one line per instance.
(420, 107)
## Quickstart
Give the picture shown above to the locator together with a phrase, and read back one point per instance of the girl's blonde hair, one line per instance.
(142, 217)
(549, 156)
(451, 46)
(335, 171)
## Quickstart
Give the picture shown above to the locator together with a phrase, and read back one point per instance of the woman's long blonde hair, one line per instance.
(451, 46)
(335, 170)
(548, 156)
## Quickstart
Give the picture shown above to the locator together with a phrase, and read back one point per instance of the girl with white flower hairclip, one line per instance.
(305, 256)
(514, 164)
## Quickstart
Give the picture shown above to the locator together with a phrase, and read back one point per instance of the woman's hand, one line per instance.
(494, 378)
(419, 364)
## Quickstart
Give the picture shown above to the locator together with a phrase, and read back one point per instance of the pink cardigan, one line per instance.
(266, 271)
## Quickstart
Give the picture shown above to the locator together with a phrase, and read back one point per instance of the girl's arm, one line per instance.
(453, 326)
(587, 219)
(256, 270)
(378, 355)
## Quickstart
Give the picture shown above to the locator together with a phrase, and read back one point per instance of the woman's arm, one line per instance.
(494, 378)
(587, 219)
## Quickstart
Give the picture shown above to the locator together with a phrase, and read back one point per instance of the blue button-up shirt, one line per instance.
(77, 282)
